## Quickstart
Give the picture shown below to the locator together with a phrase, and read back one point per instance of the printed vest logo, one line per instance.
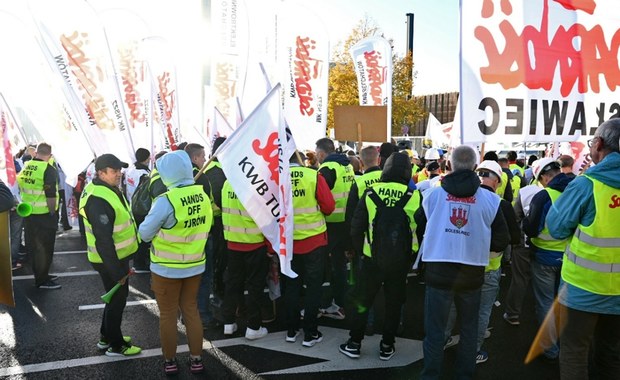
(459, 215)
(615, 201)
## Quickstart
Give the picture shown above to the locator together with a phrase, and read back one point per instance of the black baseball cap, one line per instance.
(109, 161)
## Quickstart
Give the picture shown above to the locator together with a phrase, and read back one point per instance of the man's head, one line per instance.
(545, 169)
(491, 155)
(397, 168)
(490, 173)
(503, 163)
(566, 163)
(511, 156)
(324, 147)
(142, 155)
(370, 157)
(196, 153)
(44, 151)
(605, 140)
(108, 168)
(463, 157)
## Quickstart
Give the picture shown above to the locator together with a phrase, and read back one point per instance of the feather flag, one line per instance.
(372, 58)
(303, 62)
(75, 41)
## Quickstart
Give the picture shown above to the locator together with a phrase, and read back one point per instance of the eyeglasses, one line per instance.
(591, 141)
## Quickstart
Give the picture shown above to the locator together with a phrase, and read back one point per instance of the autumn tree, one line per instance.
(343, 80)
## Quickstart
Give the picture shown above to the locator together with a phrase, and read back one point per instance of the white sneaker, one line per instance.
(230, 329)
(255, 334)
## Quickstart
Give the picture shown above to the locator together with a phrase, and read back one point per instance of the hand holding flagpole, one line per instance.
(108, 296)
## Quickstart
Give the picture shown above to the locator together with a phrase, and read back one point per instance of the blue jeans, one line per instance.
(15, 228)
(437, 305)
(545, 282)
(488, 295)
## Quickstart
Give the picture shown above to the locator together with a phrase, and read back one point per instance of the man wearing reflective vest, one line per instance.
(372, 173)
(111, 241)
(248, 265)
(490, 176)
(216, 246)
(196, 153)
(392, 189)
(338, 173)
(312, 200)
(178, 224)
(547, 251)
(588, 213)
(38, 185)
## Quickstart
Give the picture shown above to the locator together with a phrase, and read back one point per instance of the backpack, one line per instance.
(392, 237)
(141, 198)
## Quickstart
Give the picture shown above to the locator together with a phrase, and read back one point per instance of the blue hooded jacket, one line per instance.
(175, 169)
(576, 206)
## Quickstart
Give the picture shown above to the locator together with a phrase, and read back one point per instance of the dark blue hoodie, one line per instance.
(534, 221)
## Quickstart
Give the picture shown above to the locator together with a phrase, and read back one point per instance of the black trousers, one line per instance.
(309, 268)
(372, 278)
(249, 270)
(40, 236)
(113, 312)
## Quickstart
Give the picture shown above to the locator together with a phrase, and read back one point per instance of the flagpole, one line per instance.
(204, 167)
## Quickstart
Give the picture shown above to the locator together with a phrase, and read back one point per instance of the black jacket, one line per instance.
(216, 178)
(446, 275)
(330, 174)
(101, 217)
(7, 201)
(397, 169)
(534, 221)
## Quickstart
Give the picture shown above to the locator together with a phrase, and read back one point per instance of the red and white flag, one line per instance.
(45, 113)
(303, 67)
(372, 58)
(8, 173)
(162, 70)
(255, 159)
(75, 41)
(230, 35)
(131, 70)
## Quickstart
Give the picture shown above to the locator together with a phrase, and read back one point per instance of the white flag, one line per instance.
(303, 66)
(255, 159)
(372, 58)
(75, 41)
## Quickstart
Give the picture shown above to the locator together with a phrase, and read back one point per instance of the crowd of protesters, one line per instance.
(468, 220)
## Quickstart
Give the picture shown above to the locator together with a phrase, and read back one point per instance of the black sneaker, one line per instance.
(351, 349)
(312, 339)
(291, 335)
(49, 284)
(53, 277)
(386, 351)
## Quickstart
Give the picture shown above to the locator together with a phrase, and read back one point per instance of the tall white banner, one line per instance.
(165, 97)
(255, 159)
(125, 31)
(538, 70)
(229, 25)
(303, 62)
(75, 40)
(38, 97)
(372, 58)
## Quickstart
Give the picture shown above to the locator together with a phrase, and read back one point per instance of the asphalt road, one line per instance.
(51, 334)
